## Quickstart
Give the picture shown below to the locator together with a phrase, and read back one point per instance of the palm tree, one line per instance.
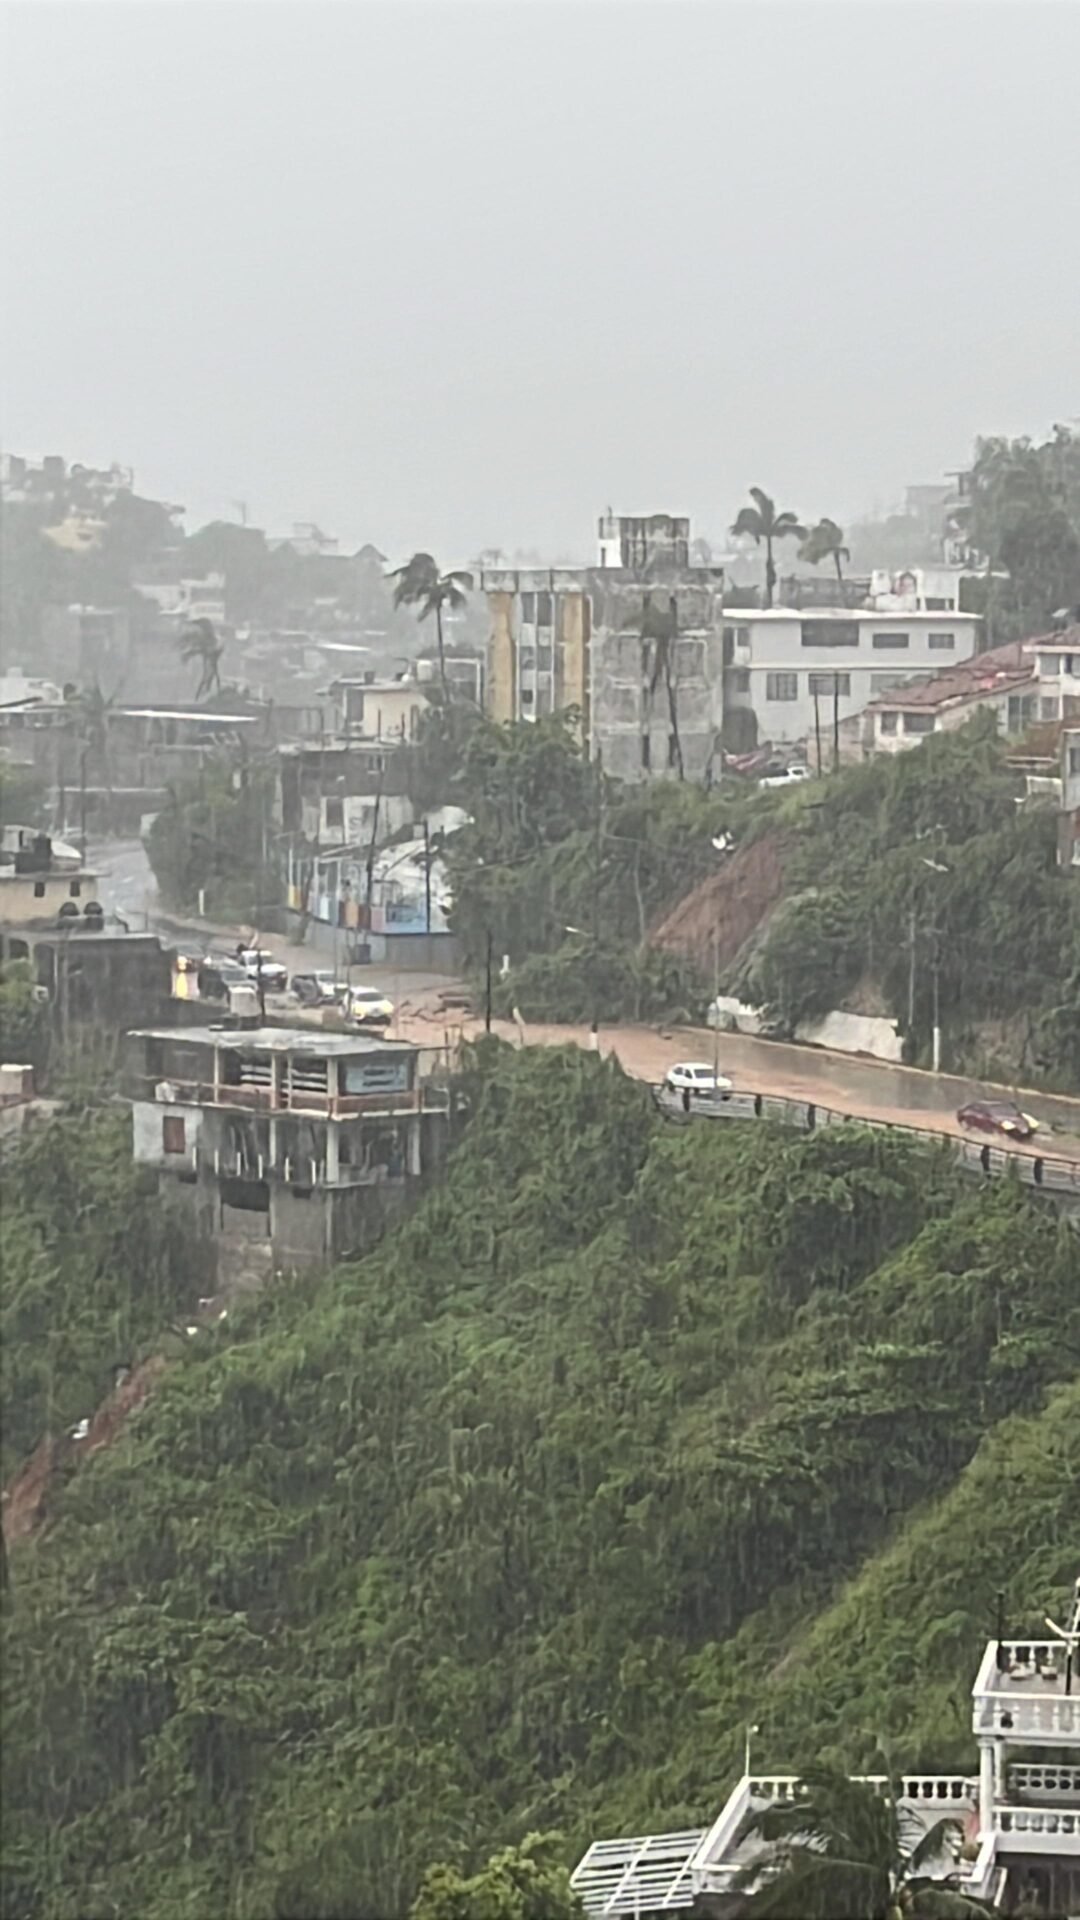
(825, 542)
(763, 523)
(845, 1850)
(421, 585)
(198, 641)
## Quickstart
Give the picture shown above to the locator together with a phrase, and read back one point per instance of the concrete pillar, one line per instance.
(332, 1167)
(413, 1156)
(986, 1786)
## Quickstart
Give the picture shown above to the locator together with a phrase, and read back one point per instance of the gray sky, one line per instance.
(452, 275)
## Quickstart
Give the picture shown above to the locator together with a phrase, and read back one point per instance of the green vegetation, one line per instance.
(762, 524)
(214, 834)
(24, 1020)
(91, 1273)
(631, 1434)
(1025, 516)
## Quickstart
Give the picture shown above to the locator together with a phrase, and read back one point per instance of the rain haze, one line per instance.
(460, 275)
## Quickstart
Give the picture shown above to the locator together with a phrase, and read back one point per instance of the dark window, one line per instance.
(1074, 761)
(740, 680)
(543, 609)
(335, 813)
(918, 723)
(173, 1134)
(830, 683)
(646, 751)
(75, 889)
(39, 889)
(885, 641)
(528, 608)
(937, 606)
(526, 696)
(887, 722)
(526, 659)
(673, 750)
(942, 642)
(830, 633)
(781, 686)
(543, 659)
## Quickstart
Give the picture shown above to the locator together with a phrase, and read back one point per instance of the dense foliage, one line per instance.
(630, 1434)
(213, 834)
(1025, 517)
(921, 865)
(91, 1273)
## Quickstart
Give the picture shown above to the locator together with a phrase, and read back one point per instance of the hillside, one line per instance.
(630, 1434)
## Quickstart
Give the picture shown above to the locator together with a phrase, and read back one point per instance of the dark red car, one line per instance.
(997, 1116)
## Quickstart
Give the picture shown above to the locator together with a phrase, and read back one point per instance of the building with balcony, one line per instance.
(1057, 666)
(1015, 1842)
(306, 1139)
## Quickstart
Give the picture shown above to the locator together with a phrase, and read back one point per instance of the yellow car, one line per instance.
(369, 1007)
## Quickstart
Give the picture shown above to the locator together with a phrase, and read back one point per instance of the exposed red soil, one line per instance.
(723, 912)
(26, 1500)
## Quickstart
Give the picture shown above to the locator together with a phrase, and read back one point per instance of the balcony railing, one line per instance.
(1043, 1782)
(259, 1098)
(1038, 1830)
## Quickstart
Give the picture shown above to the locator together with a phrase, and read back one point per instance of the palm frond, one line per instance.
(765, 506)
(748, 522)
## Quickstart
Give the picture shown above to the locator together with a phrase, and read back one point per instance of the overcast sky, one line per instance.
(461, 275)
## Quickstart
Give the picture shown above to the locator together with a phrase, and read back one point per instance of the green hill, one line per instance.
(631, 1434)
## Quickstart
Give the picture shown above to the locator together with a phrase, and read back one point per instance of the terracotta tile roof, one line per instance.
(996, 671)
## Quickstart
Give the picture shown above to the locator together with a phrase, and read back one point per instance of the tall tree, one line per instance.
(199, 642)
(419, 584)
(763, 524)
(847, 1851)
(825, 542)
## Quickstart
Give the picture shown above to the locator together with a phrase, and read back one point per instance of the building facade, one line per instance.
(1001, 682)
(1069, 815)
(303, 1139)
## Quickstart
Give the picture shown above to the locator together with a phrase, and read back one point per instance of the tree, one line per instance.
(421, 585)
(825, 542)
(200, 643)
(847, 1851)
(521, 1883)
(762, 523)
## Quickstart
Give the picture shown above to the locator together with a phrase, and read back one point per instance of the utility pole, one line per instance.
(715, 1008)
(487, 980)
(427, 878)
(817, 730)
(937, 1000)
(594, 1036)
(912, 928)
(82, 803)
(835, 721)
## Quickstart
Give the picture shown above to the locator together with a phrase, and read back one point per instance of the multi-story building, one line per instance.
(794, 671)
(305, 1139)
(374, 708)
(1057, 664)
(1015, 1838)
(343, 792)
(632, 644)
(1001, 682)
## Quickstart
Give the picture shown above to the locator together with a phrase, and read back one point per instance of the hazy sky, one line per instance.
(459, 275)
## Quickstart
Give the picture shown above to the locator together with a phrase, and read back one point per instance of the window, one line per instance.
(740, 679)
(673, 750)
(526, 659)
(75, 889)
(1021, 711)
(39, 889)
(887, 722)
(1049, 664)
(1074, 761)
(918, 723)
(543, 659)
(781, 686)
(543, 609)
(1048, 707)
(526, 696)
(884, 642)
(646, 752)
(173, 1136)
(739, 636)
(830, 633)
(335, 813)
(528, 609)
(942, 642)
(884, 682)
(830, 683)
(933, 605)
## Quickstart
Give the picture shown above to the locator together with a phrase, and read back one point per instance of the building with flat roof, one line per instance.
(303, 1138)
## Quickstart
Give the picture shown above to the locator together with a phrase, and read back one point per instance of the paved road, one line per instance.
(861, 1087)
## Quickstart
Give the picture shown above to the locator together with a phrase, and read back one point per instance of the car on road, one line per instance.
(696, 1076)
(319, 989)
(997, 1116)
(259, 964)
(369, 1007)
(784, 776)
(218, 973)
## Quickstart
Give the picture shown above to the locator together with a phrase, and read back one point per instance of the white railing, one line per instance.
(957, 1789)
(1039, 1830)
(1043, 1781)
(1019, 1717)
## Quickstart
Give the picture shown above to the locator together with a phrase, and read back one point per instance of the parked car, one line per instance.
(997, 1116)
(695, 1076)
(784, 776)
(218, 973)
(319, 989)
(369, 1007)
(258, 964)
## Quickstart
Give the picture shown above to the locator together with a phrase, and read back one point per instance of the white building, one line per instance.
(1057, 663)
(1001, 682)
(1017, 1835)
(789, 666)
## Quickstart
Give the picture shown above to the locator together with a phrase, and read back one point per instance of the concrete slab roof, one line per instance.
(315, 1042)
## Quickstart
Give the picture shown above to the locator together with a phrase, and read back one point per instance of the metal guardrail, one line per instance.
(1044, 1171)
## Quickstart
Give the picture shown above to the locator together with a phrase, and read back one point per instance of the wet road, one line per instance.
(903, 1095)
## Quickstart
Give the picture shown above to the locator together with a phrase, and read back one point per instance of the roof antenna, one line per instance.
(1070, 1635)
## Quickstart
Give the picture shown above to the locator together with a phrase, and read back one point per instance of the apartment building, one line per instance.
(793, 671)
